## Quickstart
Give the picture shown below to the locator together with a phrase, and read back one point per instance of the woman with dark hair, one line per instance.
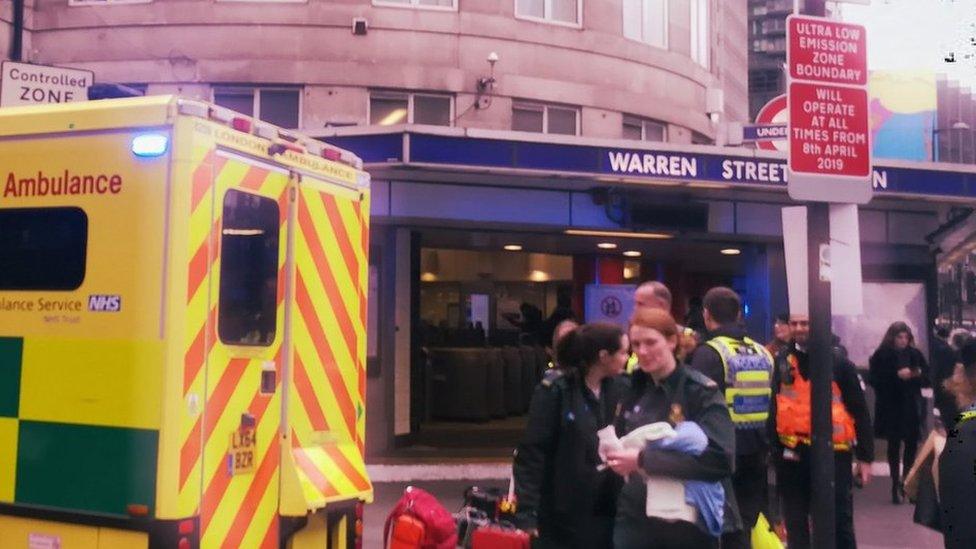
(564, 496)
(898, 373)
(663, 390)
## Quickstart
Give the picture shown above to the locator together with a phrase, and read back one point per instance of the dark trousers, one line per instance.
(652, 533)
(594, 532)
(793, 481)
(894, 445)
(751, 485)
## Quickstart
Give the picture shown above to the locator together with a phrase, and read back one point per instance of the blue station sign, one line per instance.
(745, 169)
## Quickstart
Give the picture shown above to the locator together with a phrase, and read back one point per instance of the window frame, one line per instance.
(644, 121)
(667, 26)
(256, 96)
(409, 95)
(530, 105)
(696, 38)
(94, 3)
(547, 9)
(412, 5)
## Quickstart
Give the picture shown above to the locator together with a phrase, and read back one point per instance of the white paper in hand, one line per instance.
(608, 442)
(639, 437)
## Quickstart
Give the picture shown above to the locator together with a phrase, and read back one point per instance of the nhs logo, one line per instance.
(105, 303)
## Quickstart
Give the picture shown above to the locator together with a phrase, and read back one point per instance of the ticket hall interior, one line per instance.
(487, 304)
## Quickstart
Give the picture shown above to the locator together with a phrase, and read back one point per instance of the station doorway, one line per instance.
(488, 302)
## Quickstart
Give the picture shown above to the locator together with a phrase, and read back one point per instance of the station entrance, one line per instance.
(488, 303)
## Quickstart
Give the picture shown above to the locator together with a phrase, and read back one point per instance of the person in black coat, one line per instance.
(943, 360)
(898, 373)
(664, 390)
(563, 498)
(957, 477)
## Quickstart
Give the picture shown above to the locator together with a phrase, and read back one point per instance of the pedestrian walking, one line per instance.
(562, 496)
(898, 373)
(790, 421)
(957, 478)
(743, 371)
(664, 390)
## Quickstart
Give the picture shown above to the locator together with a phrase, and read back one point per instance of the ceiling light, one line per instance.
(618, 234)
(632, 253)
(513, 247)
(607, 246)
(731, 251)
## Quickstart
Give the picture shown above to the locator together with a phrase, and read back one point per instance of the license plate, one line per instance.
(240, 458)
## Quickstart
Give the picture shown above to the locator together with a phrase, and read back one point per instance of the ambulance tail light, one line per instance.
(150, 145)
(241, 124)
(358, 541)
(331, 154)
(186, 527)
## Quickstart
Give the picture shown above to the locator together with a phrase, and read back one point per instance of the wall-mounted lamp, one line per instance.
(486, 84)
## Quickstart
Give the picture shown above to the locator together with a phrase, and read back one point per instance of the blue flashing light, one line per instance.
(150, 144)
(746, 309)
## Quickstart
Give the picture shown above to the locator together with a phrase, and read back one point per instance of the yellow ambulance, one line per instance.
(182, 330)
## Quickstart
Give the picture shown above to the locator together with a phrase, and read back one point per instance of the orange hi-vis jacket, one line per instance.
(793, 411)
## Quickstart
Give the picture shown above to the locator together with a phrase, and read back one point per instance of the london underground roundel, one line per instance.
(773, 112)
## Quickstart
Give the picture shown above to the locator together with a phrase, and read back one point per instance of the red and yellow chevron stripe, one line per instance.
(327, 374)
(329, 337)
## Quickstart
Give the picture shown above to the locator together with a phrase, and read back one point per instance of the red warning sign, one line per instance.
(827, 51)
(829, 130)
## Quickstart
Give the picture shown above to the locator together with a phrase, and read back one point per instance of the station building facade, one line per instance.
(521, 152)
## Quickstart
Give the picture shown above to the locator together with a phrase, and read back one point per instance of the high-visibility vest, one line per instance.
(748, 380)
(793, 411)
(631, 363)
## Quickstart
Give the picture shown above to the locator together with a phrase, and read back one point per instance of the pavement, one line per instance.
(879, 524)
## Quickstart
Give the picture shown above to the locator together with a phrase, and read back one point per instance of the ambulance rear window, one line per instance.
(42, 248)
(248, 270)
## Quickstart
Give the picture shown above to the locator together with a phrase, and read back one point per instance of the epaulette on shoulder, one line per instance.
(552, 375)
(966, 416)
(701, 378)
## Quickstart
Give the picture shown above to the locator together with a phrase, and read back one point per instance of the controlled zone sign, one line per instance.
(27, 84)
(829, 138)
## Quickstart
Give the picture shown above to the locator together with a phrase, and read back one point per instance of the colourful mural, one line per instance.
(902, 111)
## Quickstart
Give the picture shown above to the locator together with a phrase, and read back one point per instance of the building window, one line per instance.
(422, 4)
(701, 139)
(105, 2)
(568, 12)
(278, 106)
(389, 108)
(248, 294)
(643, 129)
(539, 118)
(699, 32)
(647, 21)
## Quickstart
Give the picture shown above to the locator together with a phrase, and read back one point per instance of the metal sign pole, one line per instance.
(821, 365)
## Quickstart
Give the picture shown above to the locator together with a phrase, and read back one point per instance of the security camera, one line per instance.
(492, 58)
